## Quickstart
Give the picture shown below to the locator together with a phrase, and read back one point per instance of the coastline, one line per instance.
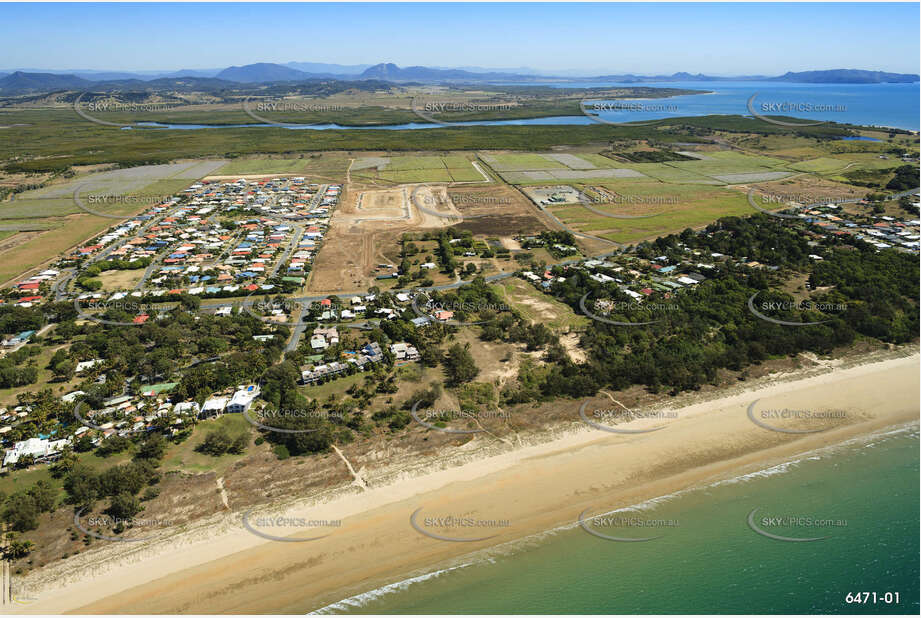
(536, 488)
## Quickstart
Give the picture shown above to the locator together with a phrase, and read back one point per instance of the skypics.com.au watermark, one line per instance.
(95, 111)
(771, 418)
(443, 310)
(143, 311)
(761, 310)
(437, 419)
(257, 109)
(785, 108)
(429, 109)
(613, 199)
(771, 525)
(621, 526)
(118, 524)
(595, 109)
(456, 528)
(282, 528)
(803, 200)
(113, 199)
(472, 199)
(607, 418)
(601, 308)
(271, 418)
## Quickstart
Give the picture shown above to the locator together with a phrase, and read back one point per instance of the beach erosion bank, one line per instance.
(528, 490)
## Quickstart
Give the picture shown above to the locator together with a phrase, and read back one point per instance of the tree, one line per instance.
(21, 512)
(17, 549)
(219, 442)
(459, 364)
(152, 448)
(123, 507)
(82, 486)
(44, 496)
(64, 370)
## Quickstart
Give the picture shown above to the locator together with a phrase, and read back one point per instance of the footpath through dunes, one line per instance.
(542, 485)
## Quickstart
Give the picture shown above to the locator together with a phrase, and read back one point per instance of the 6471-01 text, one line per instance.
(872, 598)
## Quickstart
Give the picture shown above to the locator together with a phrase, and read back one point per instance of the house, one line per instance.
(320, 372)
(84, 365)
(38, 448)
(22, 337)
(242, 399)
(213, 407)
(187, 407)
(404, 353)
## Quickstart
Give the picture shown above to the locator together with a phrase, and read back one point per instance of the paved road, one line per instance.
(295, 237)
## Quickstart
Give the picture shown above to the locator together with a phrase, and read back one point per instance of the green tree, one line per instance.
(459, 364)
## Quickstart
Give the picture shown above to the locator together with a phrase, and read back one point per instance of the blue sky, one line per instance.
(720, 39)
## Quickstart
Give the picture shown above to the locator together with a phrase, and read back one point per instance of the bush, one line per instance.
(281, 451)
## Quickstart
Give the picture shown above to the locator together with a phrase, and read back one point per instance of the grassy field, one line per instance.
(822, 165)
(423, 175)
(317, 163)
(538, 307)
(419, 168)
(679, 207)
(321, 392)
(667, 173)
(184, 458)
(120, 279)
(522, 162)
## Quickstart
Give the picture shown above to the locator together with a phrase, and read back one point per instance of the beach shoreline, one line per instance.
(536, 488)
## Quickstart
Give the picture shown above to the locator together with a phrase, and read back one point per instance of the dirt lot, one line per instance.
(807, 186)
(120, 279)
(365, 228)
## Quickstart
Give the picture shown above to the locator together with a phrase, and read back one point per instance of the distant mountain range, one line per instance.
(26, 82)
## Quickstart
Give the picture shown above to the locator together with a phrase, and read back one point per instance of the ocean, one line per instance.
(707, 555)
(885, 105)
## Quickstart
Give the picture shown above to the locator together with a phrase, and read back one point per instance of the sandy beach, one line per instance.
(532, 489)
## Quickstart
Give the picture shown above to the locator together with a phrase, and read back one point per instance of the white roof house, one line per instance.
(242, 399)
(214, 406)
(84, 365)
(38, 448)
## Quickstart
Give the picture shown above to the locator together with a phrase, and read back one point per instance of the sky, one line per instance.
(590, 38)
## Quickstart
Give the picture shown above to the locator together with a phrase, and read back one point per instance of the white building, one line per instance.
(242, 399)
(41, 450)
(214, 407)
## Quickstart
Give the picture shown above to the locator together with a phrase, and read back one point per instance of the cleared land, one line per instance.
(417, 168)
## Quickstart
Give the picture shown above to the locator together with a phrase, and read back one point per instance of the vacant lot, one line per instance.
(120, 279)
(538, 307)
(675, 207)
(417, 168)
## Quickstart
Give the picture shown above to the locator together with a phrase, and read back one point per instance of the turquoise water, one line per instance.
(711, 561)
(889, 105)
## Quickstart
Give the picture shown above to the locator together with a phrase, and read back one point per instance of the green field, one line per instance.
(325, 163)
(822, 165)
(667, 173)
(184, 458)
(539, 308)
(406, 176)
(521, 162)
(678, 207)
(415, 163)
(421, 168)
